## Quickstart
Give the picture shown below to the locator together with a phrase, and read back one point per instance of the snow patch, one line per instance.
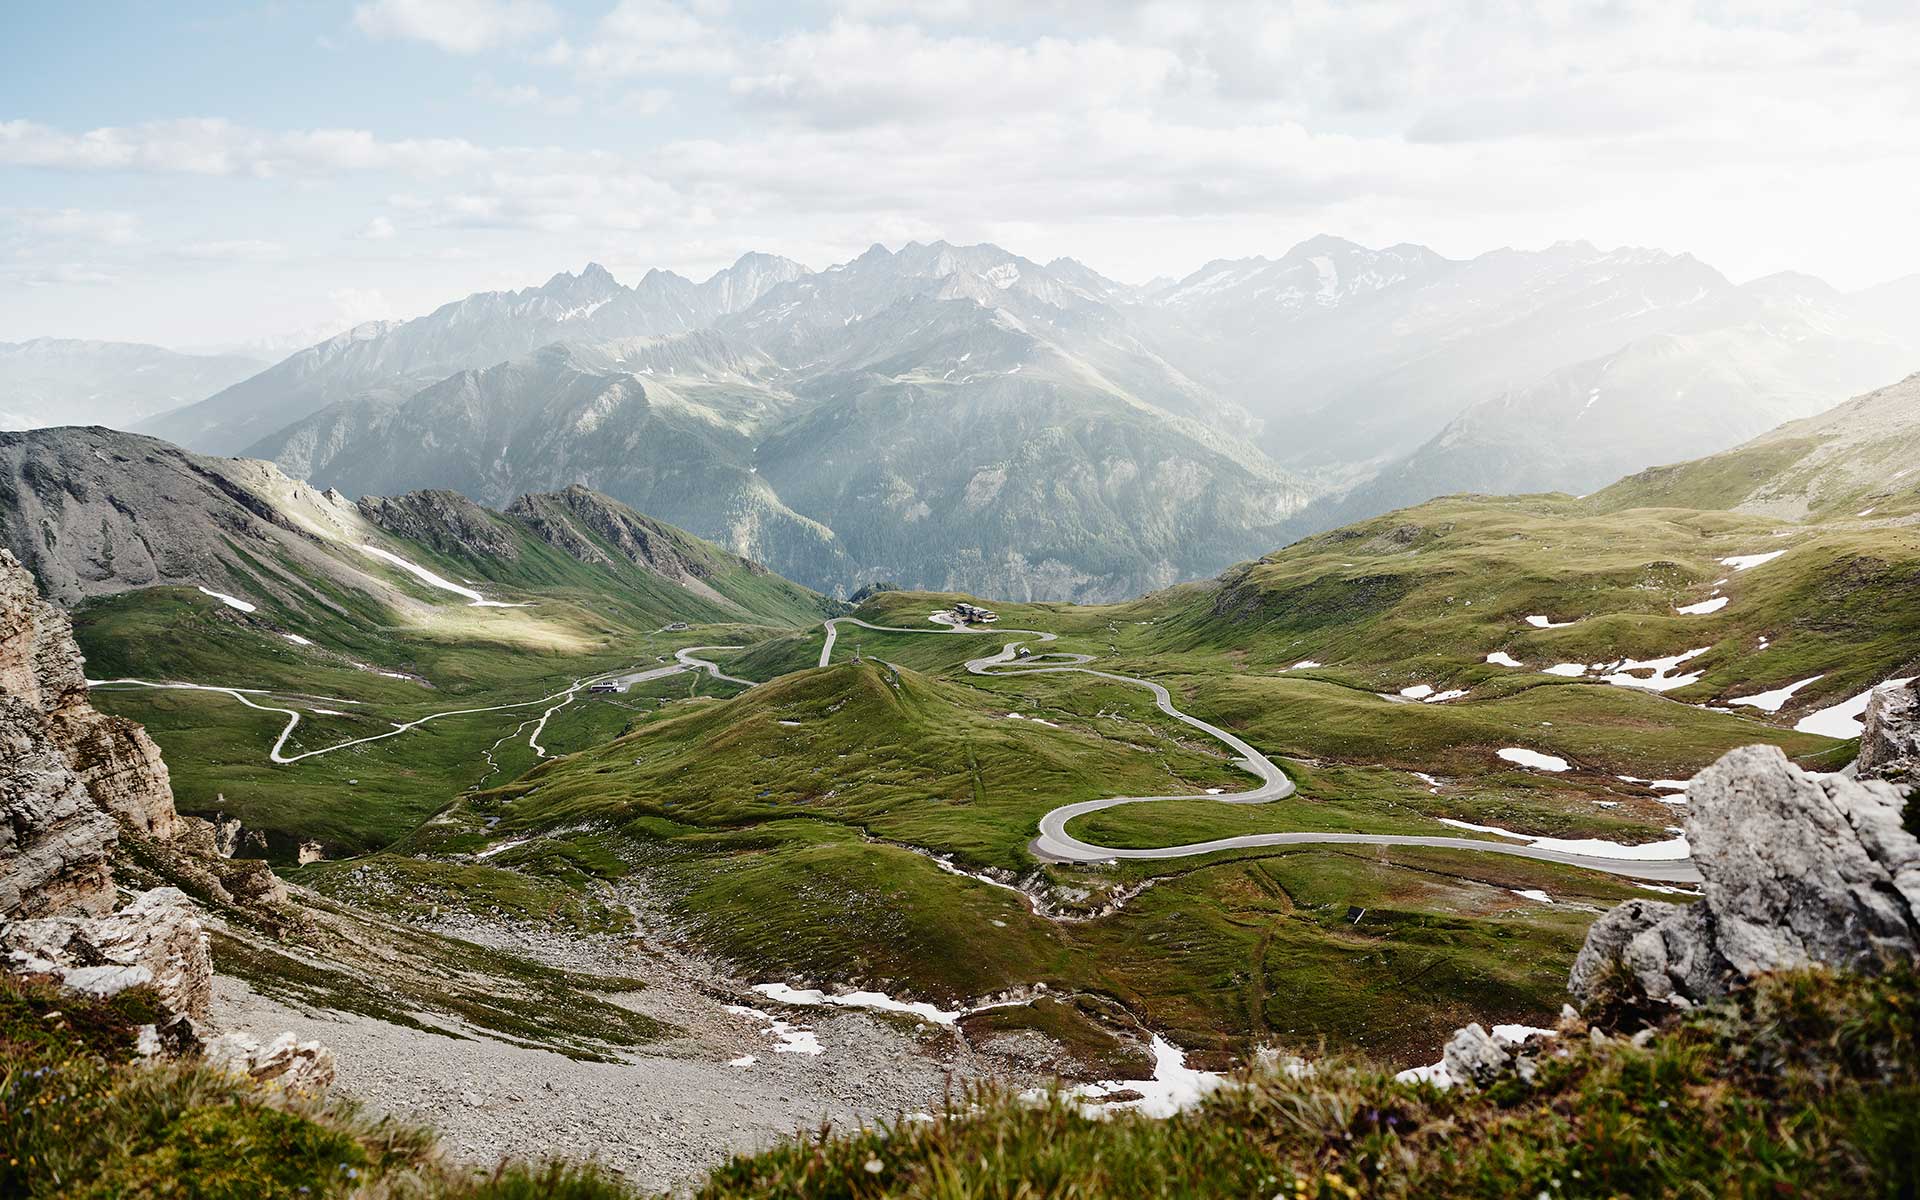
(1776, 699)
(1570, 670)
(230, 601)
(296, 639)
(1661, 678)
(1534, 759)
(1547, 623)
(1500, 658)
(1532, 894)
(1746, 562)
(1843, 720)
(1174, 1087)
(1704, 607)
(1671, 850)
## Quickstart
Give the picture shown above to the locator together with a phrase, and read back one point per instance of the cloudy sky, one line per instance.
(257, 170)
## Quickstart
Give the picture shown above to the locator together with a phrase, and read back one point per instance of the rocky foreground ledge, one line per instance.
(73, 783)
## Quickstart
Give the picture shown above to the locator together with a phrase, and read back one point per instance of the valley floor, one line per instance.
(662, 1115)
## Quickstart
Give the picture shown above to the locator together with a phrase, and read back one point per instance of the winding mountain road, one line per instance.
(1055, 844)
(558, 700)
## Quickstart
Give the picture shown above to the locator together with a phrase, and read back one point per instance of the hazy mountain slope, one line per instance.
(1860, 459)
(561, 416)
(1659, 398)
(1019, 486)
(1353, 357)
(58, 381)
(392, 360)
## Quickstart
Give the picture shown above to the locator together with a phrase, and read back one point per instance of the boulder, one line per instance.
(286, 1061)
(1798, 870)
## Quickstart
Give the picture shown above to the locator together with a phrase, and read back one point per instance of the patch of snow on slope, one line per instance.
(475, 599)
(1419, 691)
(1173, 1088)
(1671, 850)
(1547, 623)
(878, 1001)
(1704, 607)
(1746, 562)
(1532, 894)
(1662, 678)
(1535, 759)
(1437, 1073)
(1843, 719)
(1570, 670)
(296, 639)
(1500, 658)
(230, 601)
(1776, 699)
(1305, 664)
(792, 1038)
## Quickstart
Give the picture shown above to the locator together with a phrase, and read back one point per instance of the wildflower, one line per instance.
(874, 1166)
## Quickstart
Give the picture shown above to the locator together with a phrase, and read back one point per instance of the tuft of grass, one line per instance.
(1806, 1085)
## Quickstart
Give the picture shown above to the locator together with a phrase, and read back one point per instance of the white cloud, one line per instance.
(457, 26)
(214, 146)
(113, 228)
(526, 96)
(650, 37)
(852, 74)
(242, 250)
(379, 229)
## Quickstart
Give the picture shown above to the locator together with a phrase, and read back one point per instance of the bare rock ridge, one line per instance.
(1799, 870)
(73, 783)
(447, 521)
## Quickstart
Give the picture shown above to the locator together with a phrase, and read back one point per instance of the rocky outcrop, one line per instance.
(286, 1061)
(1798, 870)
(444, 520)
(157, 941)
(1890, 743)
(40, 666)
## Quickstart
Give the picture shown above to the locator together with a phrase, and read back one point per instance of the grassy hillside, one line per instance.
(1851, 462)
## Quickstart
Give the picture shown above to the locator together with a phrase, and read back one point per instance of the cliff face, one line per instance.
(69, 770)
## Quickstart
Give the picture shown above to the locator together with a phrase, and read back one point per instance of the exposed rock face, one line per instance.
(1890, 744)
(1799, 870)
(157, 940)
(40, 665)
(447, 521)
(54, 841)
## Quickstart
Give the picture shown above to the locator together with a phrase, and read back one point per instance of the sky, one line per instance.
(215, 174)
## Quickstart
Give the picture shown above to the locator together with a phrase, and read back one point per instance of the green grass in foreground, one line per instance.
(76, 1122)
(1807, 1085)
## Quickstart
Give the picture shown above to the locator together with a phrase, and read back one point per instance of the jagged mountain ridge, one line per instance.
(94, 512)
(390, 360)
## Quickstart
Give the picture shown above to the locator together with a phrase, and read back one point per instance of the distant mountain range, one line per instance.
(961, 417)
(59, 381)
